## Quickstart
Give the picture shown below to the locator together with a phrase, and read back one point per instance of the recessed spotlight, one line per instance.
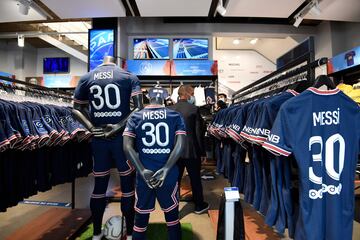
(236, 41)
(220, 8)
(298, 21)
(21, 40)
(253, 41)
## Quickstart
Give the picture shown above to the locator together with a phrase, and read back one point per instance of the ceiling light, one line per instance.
(315, 9)
(253, 41)
(21, 40)
(236, 41)
(221, 9)
(24, 6)
(298, 21)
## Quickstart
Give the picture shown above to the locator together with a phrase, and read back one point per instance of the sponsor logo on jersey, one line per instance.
(104, 75)
(326, 118)
(274, 138)
(25, 127)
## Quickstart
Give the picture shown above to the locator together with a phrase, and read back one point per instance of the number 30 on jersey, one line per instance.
(103, 96)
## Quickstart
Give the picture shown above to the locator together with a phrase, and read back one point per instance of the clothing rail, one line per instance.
(44, 91)
(281, 76)
(41, 89)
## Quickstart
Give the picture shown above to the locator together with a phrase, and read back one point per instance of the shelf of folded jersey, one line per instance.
(41, 145)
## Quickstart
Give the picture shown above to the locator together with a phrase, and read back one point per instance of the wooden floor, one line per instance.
(255, 227)
(55, 224)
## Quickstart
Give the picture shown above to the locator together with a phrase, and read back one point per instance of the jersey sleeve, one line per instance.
(280, 140)
(135, 86)
(180, 126)
(81, 94)
(130, 129)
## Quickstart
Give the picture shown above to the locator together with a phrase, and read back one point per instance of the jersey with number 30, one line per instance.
(107, 89)
(321, 128)
(155, 128)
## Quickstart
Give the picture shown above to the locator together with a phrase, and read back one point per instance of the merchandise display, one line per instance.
(154, 120)
(155, 130)
(108, 89)
(326, 168)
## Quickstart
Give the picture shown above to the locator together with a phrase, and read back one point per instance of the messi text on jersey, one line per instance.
(151, 115)
(104, 75)
(326, 118)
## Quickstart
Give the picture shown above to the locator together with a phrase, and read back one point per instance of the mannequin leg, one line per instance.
(101, 172)
(141, 223)
(127, 183)
(173, 224)
(98, 202)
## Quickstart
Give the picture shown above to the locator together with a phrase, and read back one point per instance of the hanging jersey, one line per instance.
(199, 94)
(155, 129)
(267, 117)
(210, 95)
(175, 95)
(107, 89)
(321, 129)
(158, 93)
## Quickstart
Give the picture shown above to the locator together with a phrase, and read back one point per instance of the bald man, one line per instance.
(191, 157)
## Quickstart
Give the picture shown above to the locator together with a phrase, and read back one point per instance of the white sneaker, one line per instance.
(98, 237)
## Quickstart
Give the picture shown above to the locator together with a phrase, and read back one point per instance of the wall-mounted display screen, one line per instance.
(101, 43)
(190, 48)
(151, 48)
(56, 65)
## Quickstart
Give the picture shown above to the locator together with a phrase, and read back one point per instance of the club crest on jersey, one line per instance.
(104, 75)
(25, 127)
(39, 126)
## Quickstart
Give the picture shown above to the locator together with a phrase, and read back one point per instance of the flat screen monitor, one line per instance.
(191, 48)
(151, 48)
(56, 65)
(101, 44)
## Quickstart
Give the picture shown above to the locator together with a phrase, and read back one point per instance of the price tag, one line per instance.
(232, 193)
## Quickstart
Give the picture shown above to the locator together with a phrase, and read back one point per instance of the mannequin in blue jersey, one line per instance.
(102, 105)
(158, 135)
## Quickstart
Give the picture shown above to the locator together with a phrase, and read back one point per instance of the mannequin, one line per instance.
(155, 162)
(152, 179)
(81, 113)
(102, 105)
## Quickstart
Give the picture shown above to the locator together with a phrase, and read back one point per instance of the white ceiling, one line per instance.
(174, 8)
(262, 8)
(271, 48)
(9, 12)
(86, 8)
(338, 10)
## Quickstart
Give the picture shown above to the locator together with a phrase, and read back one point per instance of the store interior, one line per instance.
(245, 49)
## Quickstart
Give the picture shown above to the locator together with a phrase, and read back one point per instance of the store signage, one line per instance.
(344, 61)
(55, 81)
(46, 203)
(148, 67)
(194, 68)
(101, 44)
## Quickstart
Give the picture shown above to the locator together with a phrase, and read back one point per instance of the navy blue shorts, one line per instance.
(106, 152)
(167, 195)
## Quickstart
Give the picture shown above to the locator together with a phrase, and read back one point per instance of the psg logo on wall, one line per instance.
(145, 68)
(101, 44)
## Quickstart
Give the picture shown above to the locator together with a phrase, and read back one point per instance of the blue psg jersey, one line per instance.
(321, 129)
(158, 92)
(107, 89)
(154, 128)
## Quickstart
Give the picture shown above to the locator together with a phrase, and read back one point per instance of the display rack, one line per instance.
(281, 75)
(33, 88)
